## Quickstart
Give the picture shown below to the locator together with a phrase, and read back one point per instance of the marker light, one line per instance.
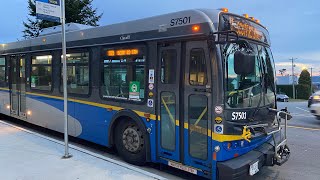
(246, 15)
(8, 106)
(195, 28)
(29, 112)
(252, 18)
(224, 10)
(257, 21)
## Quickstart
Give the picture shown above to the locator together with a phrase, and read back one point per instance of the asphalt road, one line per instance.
(303, 139)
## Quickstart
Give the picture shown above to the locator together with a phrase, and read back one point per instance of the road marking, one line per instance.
(305, 128)
(303, 115)
(303, 109)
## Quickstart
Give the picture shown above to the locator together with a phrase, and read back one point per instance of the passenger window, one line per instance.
(78, 73)
(41, 72)
(3, 77)
(168, 66)
(198, 72)
(124, 74)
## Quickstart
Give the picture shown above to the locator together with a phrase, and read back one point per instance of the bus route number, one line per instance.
(180, 21)
(239, 115)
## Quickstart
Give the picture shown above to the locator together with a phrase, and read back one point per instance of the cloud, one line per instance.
(304, 60)
(313, 56)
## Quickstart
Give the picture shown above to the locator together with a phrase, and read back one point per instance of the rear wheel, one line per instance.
(130, 141)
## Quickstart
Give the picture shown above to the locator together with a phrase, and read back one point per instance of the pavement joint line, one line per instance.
(305, 128)
(303, 109)
(98, 156)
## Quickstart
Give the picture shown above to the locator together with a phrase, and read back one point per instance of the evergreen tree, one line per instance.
(304, 85)
(77, 11)
(305, 78)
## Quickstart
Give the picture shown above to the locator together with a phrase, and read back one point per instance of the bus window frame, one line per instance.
(46, 53)
(71, 51)
(145, 48)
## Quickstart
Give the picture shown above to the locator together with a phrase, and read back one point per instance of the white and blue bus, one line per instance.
(194, 90)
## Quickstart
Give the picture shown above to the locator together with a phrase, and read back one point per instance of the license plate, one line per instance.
(182, 167)
(254, 168)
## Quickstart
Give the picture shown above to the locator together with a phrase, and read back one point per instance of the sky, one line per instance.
(293, 25)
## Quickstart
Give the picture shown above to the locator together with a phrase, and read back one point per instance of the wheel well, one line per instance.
(129, 116)
(113, 126)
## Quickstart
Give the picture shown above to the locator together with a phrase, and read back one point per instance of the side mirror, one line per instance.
(244, 63)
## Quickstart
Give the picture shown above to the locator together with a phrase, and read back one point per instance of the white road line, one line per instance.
(128, 166)
(303, 109)
(303, 115)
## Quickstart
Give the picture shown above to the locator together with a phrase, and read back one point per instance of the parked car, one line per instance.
(314, 98)
(282, 97)
(315, 110)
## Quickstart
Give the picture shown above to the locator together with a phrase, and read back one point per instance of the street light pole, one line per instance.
(293, 89)
(311, 81)
(65, 93)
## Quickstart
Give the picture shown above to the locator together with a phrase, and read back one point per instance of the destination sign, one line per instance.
(244, 28)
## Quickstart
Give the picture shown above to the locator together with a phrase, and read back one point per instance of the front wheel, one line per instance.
(130, 141)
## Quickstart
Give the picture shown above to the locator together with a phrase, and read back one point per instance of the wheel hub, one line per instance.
(131, 139)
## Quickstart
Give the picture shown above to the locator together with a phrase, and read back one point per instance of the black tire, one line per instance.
(128, 135)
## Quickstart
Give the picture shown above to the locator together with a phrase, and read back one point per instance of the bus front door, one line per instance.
(197, 106)
(17, 86)
(169, 133)
(184, 113)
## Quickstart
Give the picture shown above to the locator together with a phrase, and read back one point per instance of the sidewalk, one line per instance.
(25, 155)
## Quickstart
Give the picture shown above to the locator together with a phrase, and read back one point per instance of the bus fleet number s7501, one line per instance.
(239, 115)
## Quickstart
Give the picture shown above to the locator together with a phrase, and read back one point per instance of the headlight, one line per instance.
(316, 97)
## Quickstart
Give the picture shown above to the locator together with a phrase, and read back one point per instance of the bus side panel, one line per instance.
(86, 121)
(4, 102)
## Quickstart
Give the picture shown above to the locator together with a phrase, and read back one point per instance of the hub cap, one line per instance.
(132, 139)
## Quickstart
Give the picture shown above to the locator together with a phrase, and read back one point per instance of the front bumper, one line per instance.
(238, 168)
(315, 109)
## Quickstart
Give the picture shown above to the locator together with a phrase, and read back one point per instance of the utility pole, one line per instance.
(293, 89)
(64, 70)
(311, 80)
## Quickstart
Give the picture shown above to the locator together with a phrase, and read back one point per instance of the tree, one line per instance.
(305, 78)
(305, 84)
(77, 11)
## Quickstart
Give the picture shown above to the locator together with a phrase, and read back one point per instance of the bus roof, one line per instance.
(156, 27)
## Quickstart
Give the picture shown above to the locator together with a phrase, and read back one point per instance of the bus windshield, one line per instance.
(249, 90)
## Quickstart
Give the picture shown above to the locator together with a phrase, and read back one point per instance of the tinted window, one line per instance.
(124, 74)
(198, 72)
(41, 72)
(168, 66)
(78, 73)
(3, 77)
